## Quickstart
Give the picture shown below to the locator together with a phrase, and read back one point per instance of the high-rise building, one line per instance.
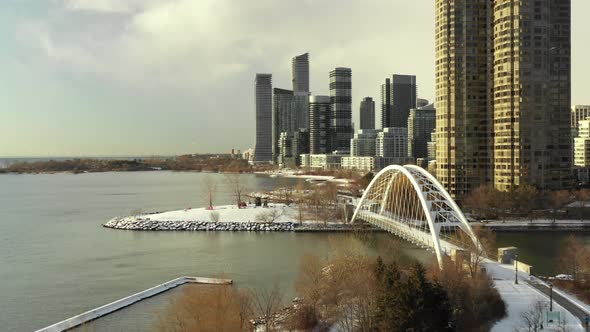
(341, 99)
(291, 146)
(531, 93)
(283, 117)
(403, 98)
(421, 123)
(367, 113)
(386, 112)
(301, 110)
(263, 90)
(582, 145)
(363, 143)
(431, 146)
(300, 73)
(392, 143)
(462, 111)
(320, 125)
(502, 93)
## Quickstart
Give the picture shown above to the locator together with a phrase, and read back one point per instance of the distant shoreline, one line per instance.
(192, 163)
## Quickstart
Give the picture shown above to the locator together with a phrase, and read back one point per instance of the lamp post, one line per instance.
(516, 269)
(550, 297)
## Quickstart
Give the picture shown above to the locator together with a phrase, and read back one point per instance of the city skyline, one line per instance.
(65, 94)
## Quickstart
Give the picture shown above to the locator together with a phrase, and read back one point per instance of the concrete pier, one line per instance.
(106, 309)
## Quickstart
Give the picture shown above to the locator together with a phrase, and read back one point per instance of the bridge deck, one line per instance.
(406, 231)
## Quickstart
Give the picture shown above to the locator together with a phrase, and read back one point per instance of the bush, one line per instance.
(269, 216)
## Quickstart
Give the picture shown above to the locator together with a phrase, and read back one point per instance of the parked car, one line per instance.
(564, 277)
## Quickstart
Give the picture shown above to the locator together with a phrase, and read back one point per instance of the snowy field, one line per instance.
(519, 299)
(228, 213)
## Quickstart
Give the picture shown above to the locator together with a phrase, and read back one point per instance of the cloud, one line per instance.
(107, 6)
(197, 41)
(205, 53)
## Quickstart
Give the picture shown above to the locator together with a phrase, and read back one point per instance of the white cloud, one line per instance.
(198, 40)
(208, 51)
(107, 6)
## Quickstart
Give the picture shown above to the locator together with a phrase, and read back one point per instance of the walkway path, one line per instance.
(562, 301)
(519, 298)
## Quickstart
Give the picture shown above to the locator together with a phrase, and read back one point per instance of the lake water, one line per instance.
(57, 261)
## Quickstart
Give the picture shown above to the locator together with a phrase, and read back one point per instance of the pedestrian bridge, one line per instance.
(410, 203)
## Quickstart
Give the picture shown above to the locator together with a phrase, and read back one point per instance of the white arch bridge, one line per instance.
(410, 203)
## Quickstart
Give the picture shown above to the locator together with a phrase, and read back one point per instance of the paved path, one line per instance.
(564, 302)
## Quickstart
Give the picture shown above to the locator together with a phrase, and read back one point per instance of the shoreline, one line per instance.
(162, 226)
(277, 217)
(273, 218)
(536, 225)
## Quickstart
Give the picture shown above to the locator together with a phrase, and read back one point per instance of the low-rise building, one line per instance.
(366, 164)
(582, 144)
(373, 164)
(321, 161)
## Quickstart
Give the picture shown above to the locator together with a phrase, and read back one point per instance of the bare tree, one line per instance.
(478, 200)
(574, 257)
(477, 253)
(211, 188)
(234, 181)
(266, 302)
(524, 199)
(558, 199)
(322, 202)
(301, 201)
(207, 308)
(582, 196)
(309, 280)
(532, 320)
(269, 216)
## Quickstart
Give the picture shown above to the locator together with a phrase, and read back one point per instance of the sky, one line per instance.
(167, 77)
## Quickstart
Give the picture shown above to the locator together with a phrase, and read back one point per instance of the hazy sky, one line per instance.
(140, 77)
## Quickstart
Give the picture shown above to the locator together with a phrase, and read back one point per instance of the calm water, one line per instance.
(57, 261)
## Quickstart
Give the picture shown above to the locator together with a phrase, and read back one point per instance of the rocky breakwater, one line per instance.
(146, 224)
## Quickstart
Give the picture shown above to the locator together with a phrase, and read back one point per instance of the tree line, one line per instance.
(205, 163)
(487, 202)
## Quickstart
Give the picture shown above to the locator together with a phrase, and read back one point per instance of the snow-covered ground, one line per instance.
(231, 214)
(298, 175)
(228, 213)
(519, 298)
(526, 222)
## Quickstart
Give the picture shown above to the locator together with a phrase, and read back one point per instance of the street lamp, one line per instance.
(516, 269)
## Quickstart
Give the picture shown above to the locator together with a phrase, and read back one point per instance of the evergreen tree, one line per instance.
(410, 302)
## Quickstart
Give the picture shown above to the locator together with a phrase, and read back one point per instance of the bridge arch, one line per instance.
(409, 202)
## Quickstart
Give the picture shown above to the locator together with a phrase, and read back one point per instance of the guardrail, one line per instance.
(129, 300)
